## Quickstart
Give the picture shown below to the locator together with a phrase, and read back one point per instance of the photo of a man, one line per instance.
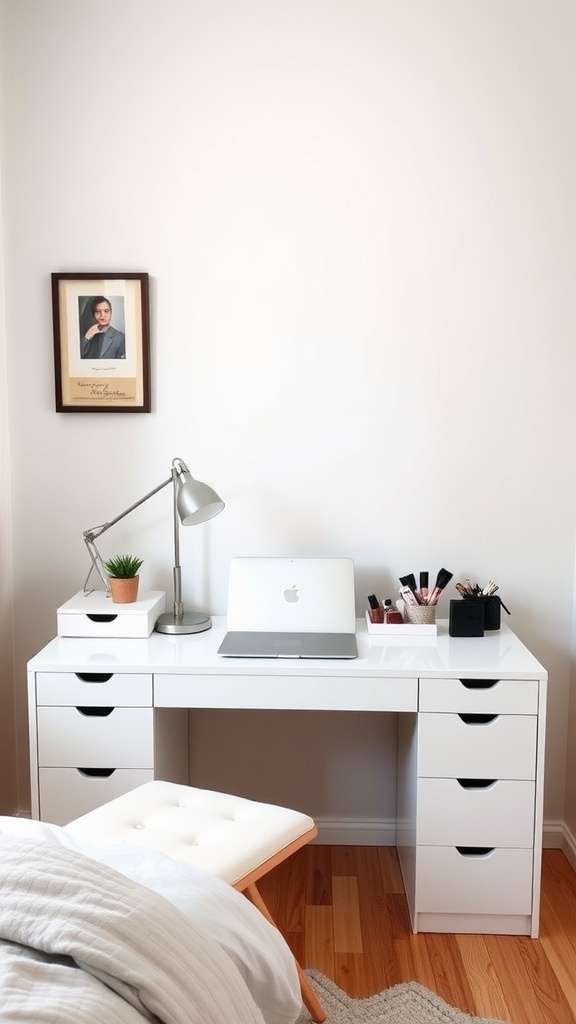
(100, 340)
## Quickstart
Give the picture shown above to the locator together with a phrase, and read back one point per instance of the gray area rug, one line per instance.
(409, 1003)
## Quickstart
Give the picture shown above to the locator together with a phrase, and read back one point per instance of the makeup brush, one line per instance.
(410, 582)
(422, 592)
(442, 580)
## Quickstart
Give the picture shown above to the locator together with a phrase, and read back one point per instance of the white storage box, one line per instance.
(95, 615)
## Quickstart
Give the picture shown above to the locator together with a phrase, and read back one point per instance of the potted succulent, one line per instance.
(123, 577)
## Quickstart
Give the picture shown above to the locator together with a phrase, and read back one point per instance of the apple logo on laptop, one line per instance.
(291, 594)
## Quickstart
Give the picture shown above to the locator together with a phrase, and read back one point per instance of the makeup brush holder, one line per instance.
(420, 614)
(491, 609)
(466, 617)
(492, 606)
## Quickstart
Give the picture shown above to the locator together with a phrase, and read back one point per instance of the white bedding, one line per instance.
(243, 959)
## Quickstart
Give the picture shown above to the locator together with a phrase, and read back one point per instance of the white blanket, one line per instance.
(82, 943)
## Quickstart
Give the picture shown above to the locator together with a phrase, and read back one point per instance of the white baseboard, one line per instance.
(557, 836)
(382, 832)
(355, 832)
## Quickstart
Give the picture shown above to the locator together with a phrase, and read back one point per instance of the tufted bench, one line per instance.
(236, 839)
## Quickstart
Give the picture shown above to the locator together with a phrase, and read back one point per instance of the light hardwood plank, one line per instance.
(489, 995)
(346, 913)
(450, 980)
(350, 971)
(319, 940)
(559, 948)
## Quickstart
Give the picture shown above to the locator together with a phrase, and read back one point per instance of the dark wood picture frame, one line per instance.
(101, 342)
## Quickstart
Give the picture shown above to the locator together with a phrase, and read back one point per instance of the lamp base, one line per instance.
(188, 622)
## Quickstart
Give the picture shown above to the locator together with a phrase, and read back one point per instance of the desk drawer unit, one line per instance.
(96, 736)
(474, 829)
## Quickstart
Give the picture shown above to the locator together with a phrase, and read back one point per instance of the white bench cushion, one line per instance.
(227, 836)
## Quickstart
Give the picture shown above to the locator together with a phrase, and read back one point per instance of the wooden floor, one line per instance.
(343, 911)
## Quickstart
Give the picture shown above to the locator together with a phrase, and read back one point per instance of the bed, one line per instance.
(104, 932)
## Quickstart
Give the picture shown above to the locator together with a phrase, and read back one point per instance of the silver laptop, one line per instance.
(291, 608)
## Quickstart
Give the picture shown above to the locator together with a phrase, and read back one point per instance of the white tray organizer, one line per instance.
(384, 629)
(96, 615)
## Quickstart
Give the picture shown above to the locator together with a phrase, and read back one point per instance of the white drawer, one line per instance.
(301, 692)
(72, 738)
(501, 747)
(494, 696)
(94, 689)
(498, 882)
(467, 813)
(66, 793)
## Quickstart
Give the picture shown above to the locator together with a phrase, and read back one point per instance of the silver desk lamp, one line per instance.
(194, 503)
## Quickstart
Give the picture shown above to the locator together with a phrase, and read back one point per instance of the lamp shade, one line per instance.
(196, 501)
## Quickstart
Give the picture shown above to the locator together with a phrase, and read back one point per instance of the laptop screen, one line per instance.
(306, 595)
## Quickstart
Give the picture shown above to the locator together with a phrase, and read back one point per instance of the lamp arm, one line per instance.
(92, 534)
(96, 564)
(177, 571)
(97, 531)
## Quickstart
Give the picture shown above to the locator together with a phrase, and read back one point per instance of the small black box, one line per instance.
(466, 618)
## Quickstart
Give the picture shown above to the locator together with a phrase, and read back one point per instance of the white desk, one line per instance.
(107, 715)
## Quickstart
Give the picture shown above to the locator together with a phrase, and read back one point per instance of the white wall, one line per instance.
(359, 222)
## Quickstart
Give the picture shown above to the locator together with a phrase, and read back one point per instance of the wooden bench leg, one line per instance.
(309, 997)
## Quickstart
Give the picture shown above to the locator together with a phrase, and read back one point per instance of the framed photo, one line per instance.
(101, 342)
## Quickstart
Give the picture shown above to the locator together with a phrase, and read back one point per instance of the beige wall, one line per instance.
(358, 219)
(570, 803)
(8, 775)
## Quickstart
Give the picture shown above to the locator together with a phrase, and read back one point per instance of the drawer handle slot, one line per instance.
(475, 851)
(476, 719)
(96, 773)
(479, 684)
(94, 617)
(476, 783)
(95, 712)
(94, 677)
